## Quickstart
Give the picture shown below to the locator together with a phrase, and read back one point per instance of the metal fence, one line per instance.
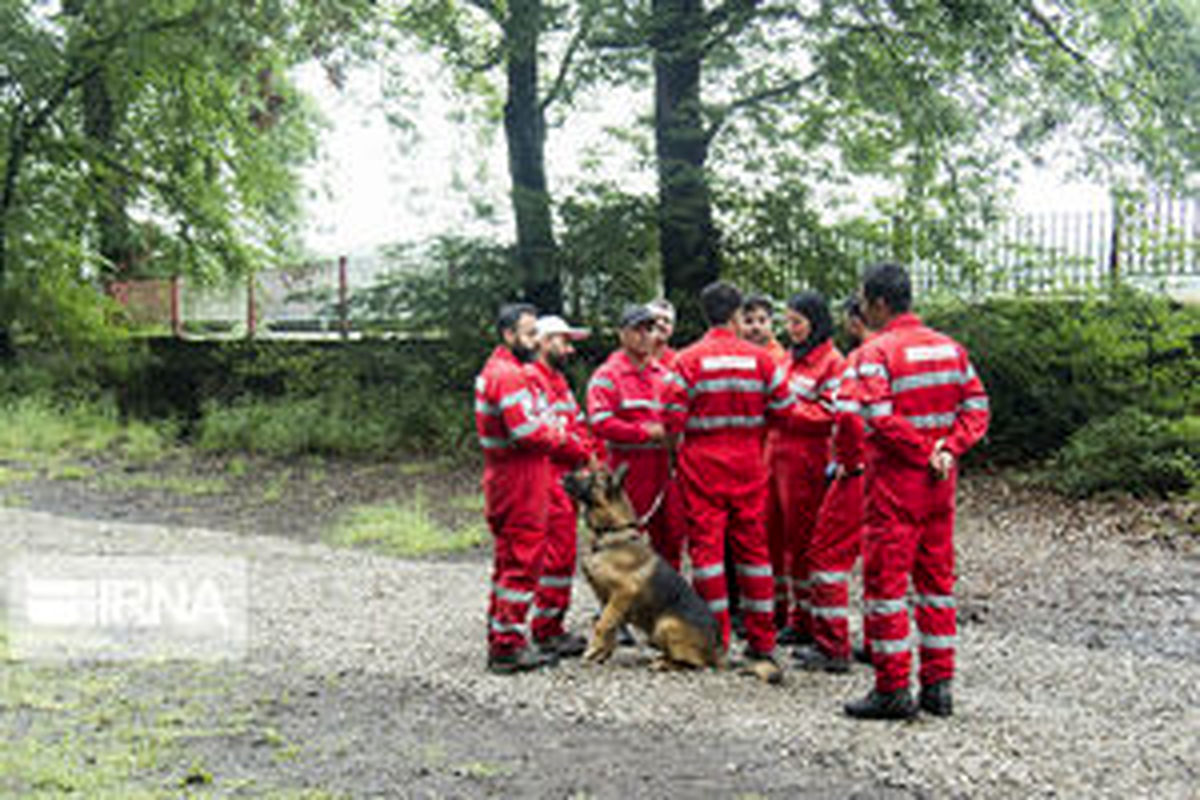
(1154, 245)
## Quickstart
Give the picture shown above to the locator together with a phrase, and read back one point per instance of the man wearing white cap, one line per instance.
(553, 594)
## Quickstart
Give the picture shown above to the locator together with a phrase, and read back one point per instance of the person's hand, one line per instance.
(655, 432)
(941, 460)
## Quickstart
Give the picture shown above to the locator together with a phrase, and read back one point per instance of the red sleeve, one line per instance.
(514, 395)
(972, 417)
(871, 388)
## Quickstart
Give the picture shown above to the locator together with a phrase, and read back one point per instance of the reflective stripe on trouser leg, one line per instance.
(933, 587)
(889, 549)
(831, 613)
(553, 594)
(748, 538)
(706, 549)
(517, 520)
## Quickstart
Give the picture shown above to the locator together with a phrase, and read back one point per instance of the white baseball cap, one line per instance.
(552, 324)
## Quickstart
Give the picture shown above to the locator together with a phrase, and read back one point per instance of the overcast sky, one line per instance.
(369, 189)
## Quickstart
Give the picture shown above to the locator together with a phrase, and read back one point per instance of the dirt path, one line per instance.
(1080, 674)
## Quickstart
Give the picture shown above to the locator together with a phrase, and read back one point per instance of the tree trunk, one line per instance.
(525, 133)
(111, 215)
(688, 237)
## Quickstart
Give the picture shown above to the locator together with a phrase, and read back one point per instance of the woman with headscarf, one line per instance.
(798, 453)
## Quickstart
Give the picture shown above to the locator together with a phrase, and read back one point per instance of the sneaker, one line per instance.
(861, 655)
(790, 636)
(936, 699)
(814, 659)
(523, 660)
(762, 666)
(564, 645)
(883, 705)
(625, 637)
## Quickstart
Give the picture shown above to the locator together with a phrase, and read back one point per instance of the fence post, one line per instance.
(343, 298)
(176, 322)
(1114, 253)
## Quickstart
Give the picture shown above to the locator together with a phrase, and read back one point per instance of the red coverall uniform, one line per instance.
(837, 537)
(621, 401)
(914, 387)
(516, 435)
(553, 594)
(798, 451)
(728, 387)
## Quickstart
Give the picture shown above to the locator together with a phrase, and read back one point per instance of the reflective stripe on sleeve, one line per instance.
(932, 420)
(974, 404)
(510, 400)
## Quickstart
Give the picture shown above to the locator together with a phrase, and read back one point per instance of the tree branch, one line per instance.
(558, 86)
(785, 89)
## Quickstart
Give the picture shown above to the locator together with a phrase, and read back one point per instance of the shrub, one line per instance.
(1051, 366)
(1129, 451)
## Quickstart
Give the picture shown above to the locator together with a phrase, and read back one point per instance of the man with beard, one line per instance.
(517, 435)
(553, 595)
(660, 346)
(628, 408)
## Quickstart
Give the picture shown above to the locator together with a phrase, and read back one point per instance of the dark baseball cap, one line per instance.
(635, 315)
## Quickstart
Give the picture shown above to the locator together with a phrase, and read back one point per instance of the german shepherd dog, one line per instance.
(633, 584)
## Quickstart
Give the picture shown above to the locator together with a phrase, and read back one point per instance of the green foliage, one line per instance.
(1129, 451)
(1051, 366)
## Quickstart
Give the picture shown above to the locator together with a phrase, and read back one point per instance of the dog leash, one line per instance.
(643, 520)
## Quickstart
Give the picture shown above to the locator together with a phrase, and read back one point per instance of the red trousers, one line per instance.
(553, 594)
(796, 466)
(716, 506)
(836, 543)
(649, 476)
(515, 494)
(909, 530)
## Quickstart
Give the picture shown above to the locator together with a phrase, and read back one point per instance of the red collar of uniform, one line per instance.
(905, 320)
(503, 354)
(720, 333)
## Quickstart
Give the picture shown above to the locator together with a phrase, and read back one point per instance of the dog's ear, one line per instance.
(618, 478)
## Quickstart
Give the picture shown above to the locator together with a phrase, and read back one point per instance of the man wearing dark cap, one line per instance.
(627, 408)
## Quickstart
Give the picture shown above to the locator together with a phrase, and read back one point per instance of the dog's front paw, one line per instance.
(597, 652)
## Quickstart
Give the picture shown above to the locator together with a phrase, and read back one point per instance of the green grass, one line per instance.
(403, 530)
(11, 476)
(466, 502)
(37, 430)
(70, 472)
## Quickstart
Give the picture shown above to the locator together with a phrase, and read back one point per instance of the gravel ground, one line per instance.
(1079, 675)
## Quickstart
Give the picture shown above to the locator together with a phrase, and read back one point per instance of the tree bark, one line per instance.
(688, 237)
(525, 134)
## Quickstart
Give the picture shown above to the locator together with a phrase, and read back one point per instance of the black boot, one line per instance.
(523, 660)
(814, 659)
(936, 699)
(564, 645)
(883, 705)
(861, 655)
(789, 635)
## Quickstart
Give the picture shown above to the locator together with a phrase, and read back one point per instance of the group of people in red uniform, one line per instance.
(773, 469)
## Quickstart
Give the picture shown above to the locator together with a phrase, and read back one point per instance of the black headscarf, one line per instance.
(814, 308)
